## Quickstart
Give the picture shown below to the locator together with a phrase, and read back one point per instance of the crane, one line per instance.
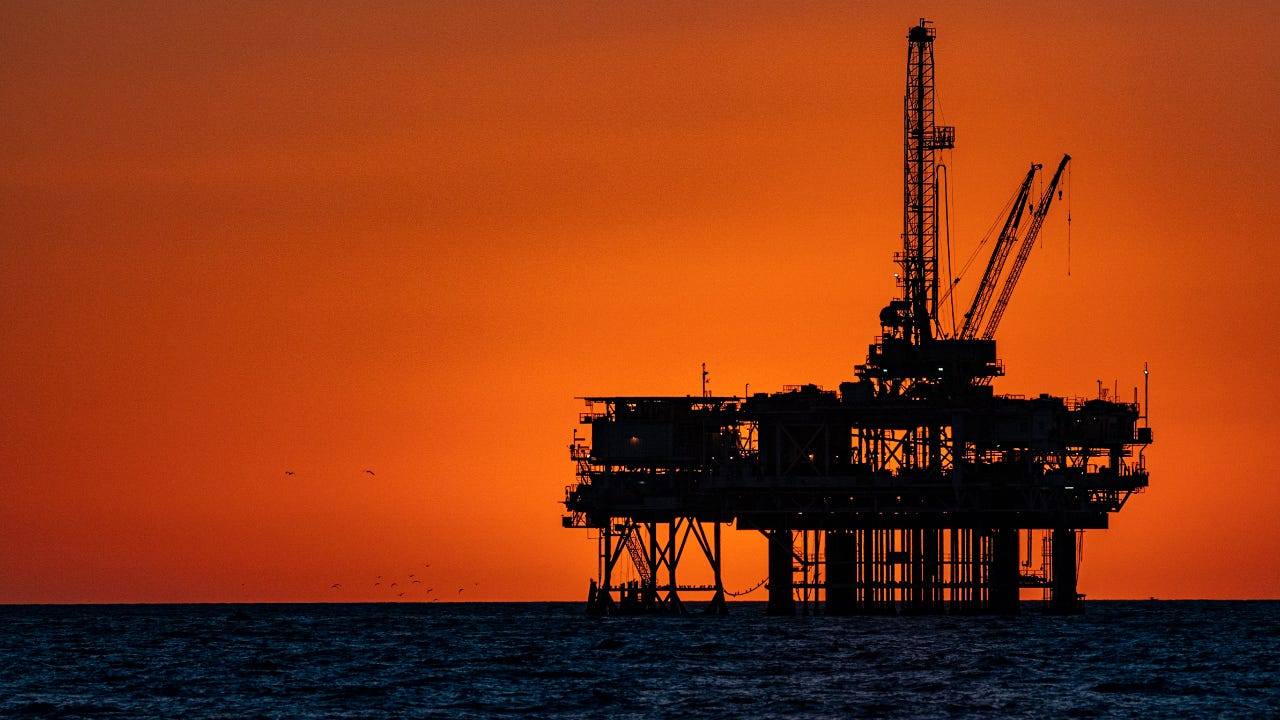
(999, 255)
(1024, 251)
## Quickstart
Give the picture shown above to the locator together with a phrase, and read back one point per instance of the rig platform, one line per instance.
(911, 489)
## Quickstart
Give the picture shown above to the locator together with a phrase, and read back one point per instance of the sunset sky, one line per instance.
(244, 239)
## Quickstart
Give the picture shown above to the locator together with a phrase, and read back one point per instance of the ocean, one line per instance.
(1142, 659)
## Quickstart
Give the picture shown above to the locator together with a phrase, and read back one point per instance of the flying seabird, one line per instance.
(369, 471)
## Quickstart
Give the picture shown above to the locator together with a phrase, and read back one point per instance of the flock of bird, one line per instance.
(413, 579)
(410, 581)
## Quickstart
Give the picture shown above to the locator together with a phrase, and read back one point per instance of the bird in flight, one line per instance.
(288, 472)
(369, 471)
(335, 586)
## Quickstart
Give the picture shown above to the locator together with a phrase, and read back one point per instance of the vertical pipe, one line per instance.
(651, 589)
(873, 570)
(911, 570)
(952, 587)
(891, 570)
(932, 594)
(877, 569)
(604, 596)
(673, 595)
(976, 567)
(804, 572)
(867, 586)
(902, 570)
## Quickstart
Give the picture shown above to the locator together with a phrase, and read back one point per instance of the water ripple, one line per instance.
(1118, 660)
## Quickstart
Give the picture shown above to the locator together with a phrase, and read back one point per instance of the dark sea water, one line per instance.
(531, 660)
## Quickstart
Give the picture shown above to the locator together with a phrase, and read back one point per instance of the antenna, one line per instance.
(1146, 395)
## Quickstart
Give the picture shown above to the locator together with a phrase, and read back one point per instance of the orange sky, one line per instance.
(240, 240)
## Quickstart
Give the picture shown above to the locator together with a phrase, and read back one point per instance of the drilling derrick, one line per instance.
(908, 490)
(919, 258)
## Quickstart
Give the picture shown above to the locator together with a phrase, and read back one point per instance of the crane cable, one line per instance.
(986, 238)
(1069, 221)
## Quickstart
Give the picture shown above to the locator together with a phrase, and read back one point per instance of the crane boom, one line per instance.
(1024, 251)
(999, 255)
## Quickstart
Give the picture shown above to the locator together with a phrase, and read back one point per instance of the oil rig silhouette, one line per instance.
(913, 489)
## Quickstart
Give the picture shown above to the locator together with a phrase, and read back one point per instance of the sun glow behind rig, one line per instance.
(911, 489)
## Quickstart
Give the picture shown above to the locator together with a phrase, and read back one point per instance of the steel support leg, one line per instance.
(1064, 598)
(841, 566)
(600, 598)
(717, 605)
(781, 601)
(1004, 571)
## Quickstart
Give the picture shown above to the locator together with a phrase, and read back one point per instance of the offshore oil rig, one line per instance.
(914, 488)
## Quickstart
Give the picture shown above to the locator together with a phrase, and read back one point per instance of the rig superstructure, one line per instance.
(910, 490)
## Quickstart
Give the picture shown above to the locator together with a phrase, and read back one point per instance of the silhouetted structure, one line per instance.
(908, 490)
